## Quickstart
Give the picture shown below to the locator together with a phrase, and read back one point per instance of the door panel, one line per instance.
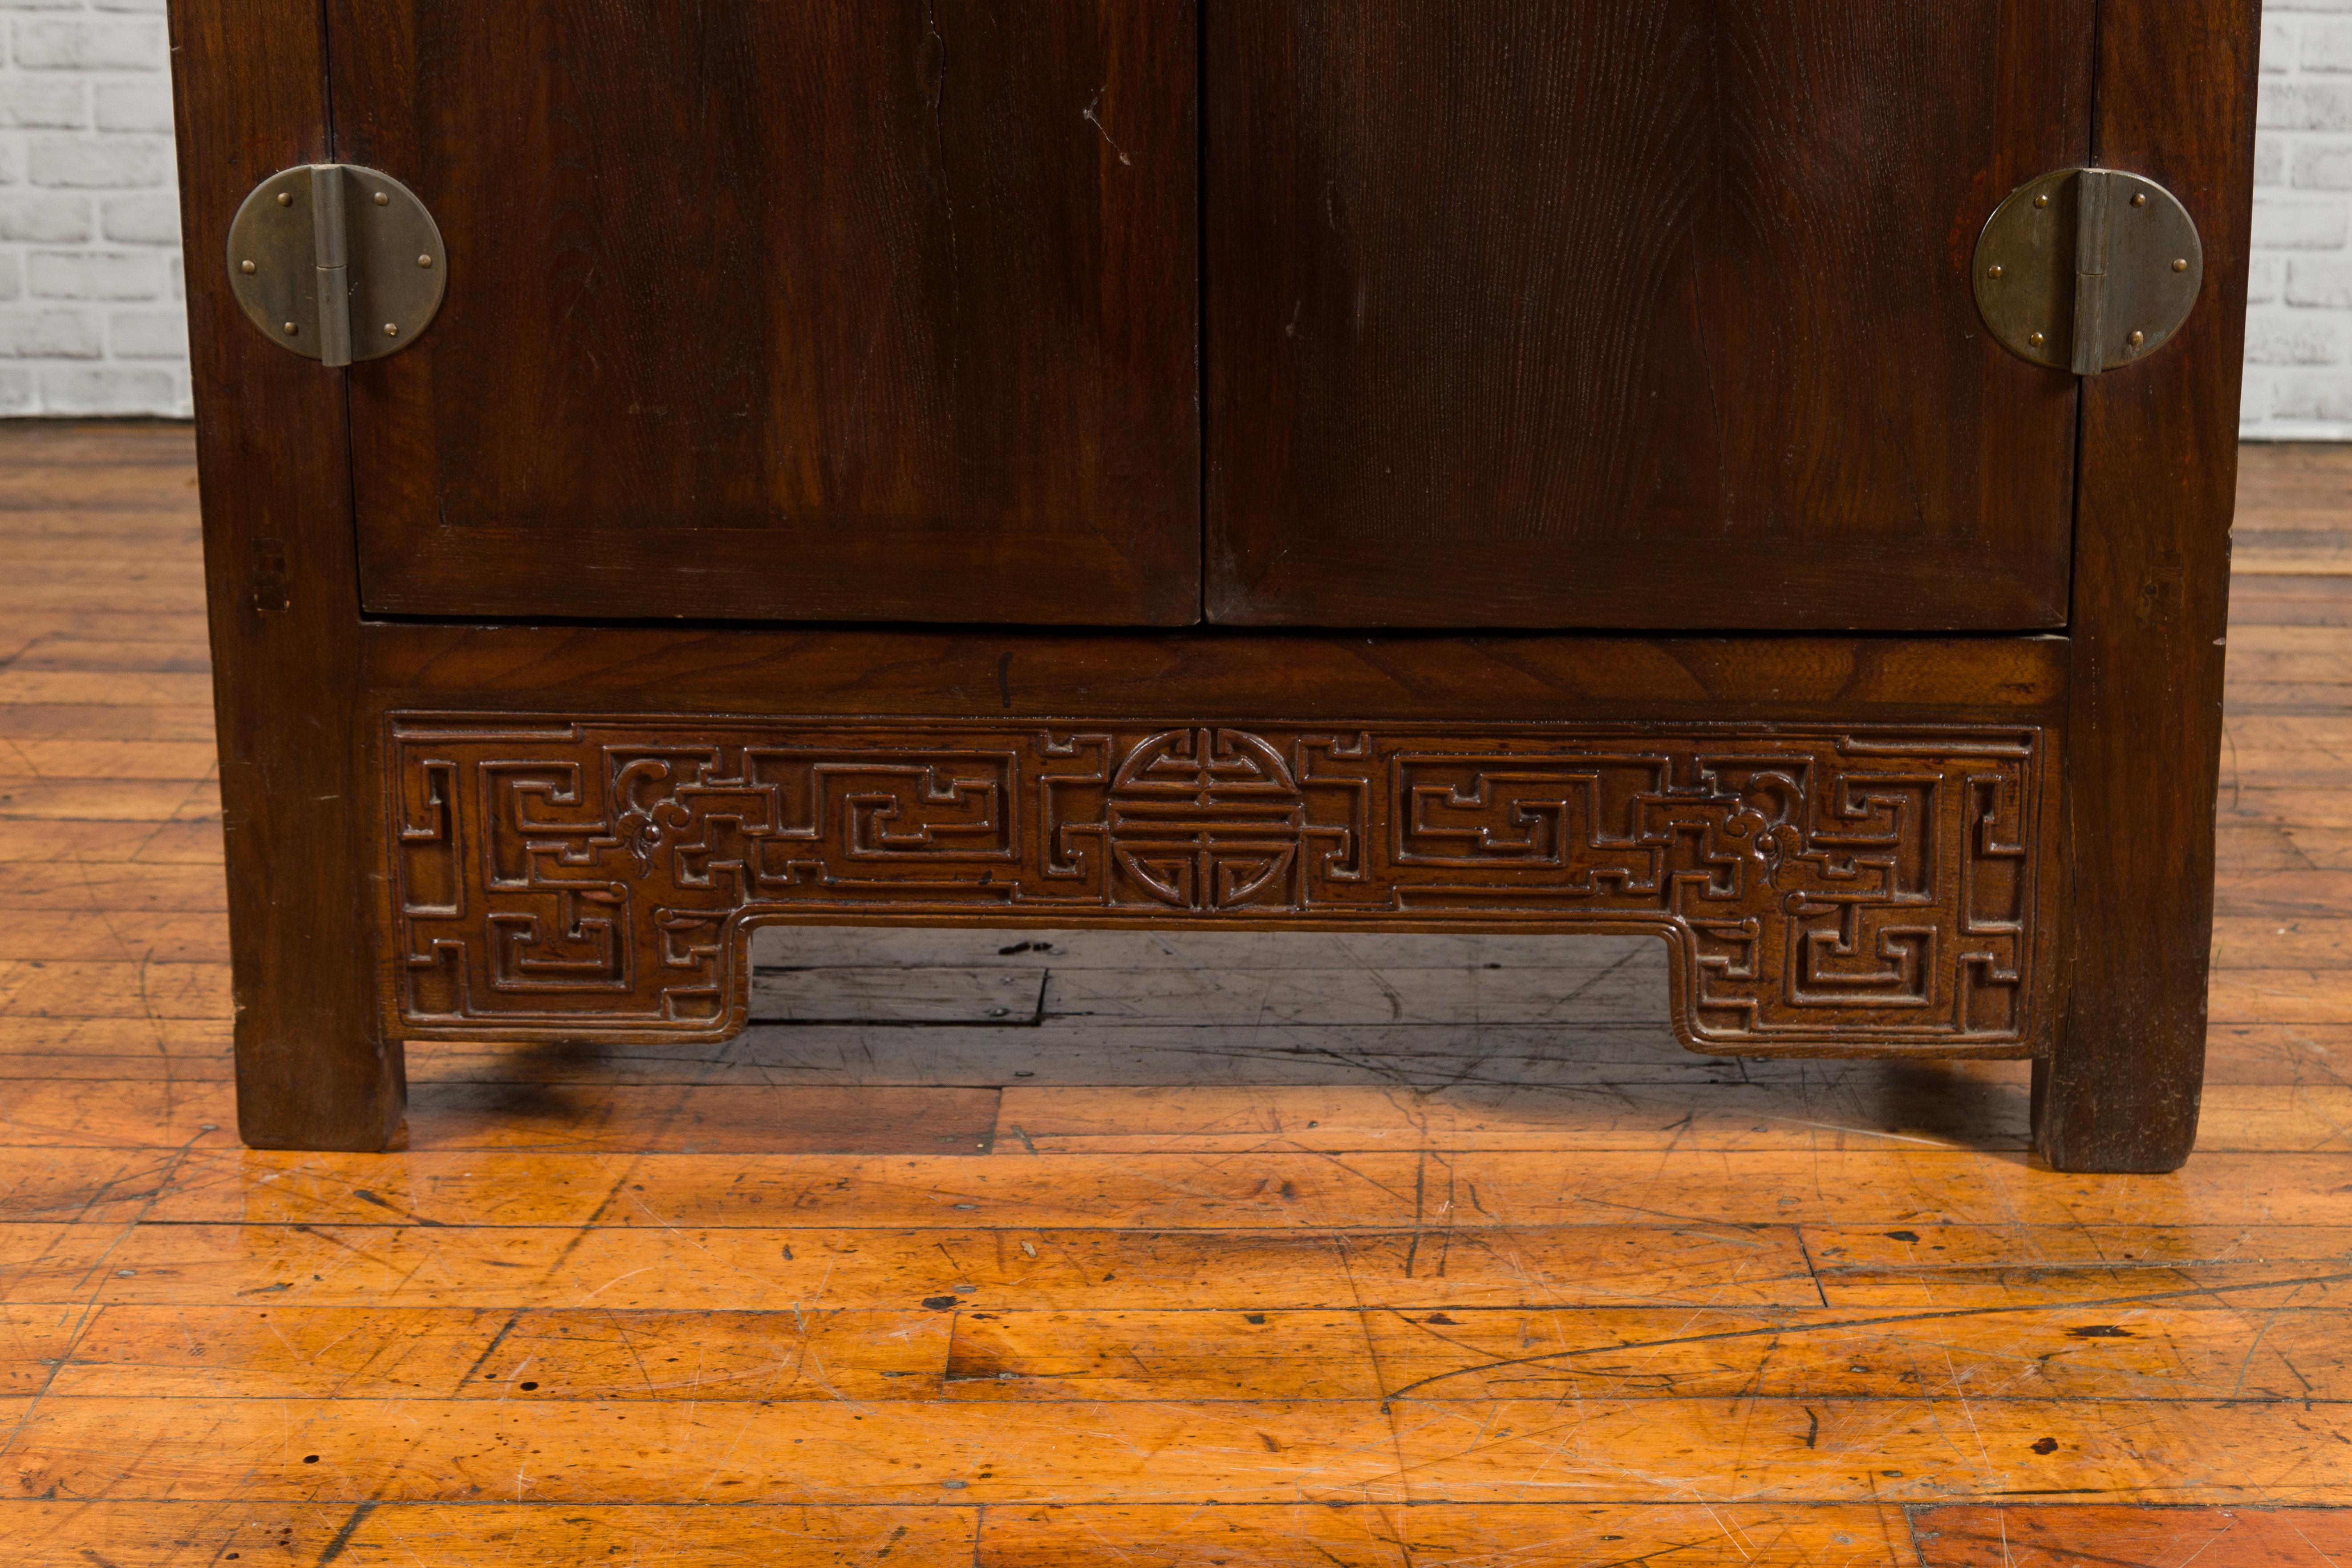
(785, 310)
(1583, 313)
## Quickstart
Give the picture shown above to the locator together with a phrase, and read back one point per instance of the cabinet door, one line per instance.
(810, 309)
(1588, 313)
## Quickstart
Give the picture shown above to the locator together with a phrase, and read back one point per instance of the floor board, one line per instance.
(1112, 1248)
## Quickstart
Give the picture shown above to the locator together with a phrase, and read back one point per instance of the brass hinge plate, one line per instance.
(2088, 270)
(336, 262)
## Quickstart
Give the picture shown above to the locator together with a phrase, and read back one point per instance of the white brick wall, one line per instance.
(92, 320)
(90, 314)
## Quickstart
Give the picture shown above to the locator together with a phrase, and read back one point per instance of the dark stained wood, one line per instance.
(2151, 596)
(1582, 314)
(1243, 676)
(1824, 889)
(850, 312)
(313, 1070)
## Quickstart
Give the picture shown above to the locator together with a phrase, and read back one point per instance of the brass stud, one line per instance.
(1994, 270)
(2041, 201)
(425, 261)
(382, 200)
(248, 267)
(291, 329)
(2139, 198)
(2136, 339)
(285, 198)
(392, 329)
(2036, 339)
(2181, 265)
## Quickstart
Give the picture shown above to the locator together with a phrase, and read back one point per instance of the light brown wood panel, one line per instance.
(169, 1299)
(1371, 1535)
(25, 722)
(479, 1534)
(2154, 1351)
(472, 1352)
(89, 935)
(1505, 1450)
(674, 1267)
(1259, 1190)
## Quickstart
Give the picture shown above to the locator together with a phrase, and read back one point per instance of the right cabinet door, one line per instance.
(1559, 313)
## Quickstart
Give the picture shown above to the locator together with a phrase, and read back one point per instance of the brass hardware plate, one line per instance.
(2088, 270)
(336, 262)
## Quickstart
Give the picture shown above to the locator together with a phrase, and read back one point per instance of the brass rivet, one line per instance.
(291, 329)
(285, 198)
(2181, 265)
(249, 267)
(2036, 339)
(2139, 198)
(392, 329)
(2041, 201)
(2136, 339)
(1994, 270)
(382, 200)
(423, 261)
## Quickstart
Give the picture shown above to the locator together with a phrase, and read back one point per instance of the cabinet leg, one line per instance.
(313, 1068)
(2119, 1105)
(331, 1090)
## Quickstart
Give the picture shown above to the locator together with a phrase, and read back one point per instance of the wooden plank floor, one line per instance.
(1121, 1249)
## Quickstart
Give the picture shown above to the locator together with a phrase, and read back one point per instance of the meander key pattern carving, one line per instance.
(1821, 890)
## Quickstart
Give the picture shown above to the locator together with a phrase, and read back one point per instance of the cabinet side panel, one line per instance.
(2158, 475)
(314, 1070)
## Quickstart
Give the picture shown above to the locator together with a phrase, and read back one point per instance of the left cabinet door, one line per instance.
(806, 310)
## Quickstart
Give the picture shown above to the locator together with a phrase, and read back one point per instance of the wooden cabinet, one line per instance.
(1265, 463)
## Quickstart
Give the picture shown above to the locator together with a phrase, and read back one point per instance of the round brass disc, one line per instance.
(2027, 282)
(396, 268)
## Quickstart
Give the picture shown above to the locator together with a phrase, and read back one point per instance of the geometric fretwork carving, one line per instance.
(1839, 888)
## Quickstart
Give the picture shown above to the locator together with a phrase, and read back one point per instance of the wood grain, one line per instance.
(1582, 315)
(1688, 1269)
(2176, 102)
(890, 316)
(272, 446)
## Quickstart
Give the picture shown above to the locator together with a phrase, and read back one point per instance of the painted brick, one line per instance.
(133, 104)
(151, 218)
(45, 217)
(58, 44)
(119, 162)
(2265, 277)
(2283, 223)
(50, 334)
(44, 103)
(2326, 44)
(2275, 336)
(2306, 105)
(2270, 159)
(2324, 165)
(148, 334)
(2306, 399)
(2279, 51)
(105, 389)
(95, 274)
(2319, 283)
